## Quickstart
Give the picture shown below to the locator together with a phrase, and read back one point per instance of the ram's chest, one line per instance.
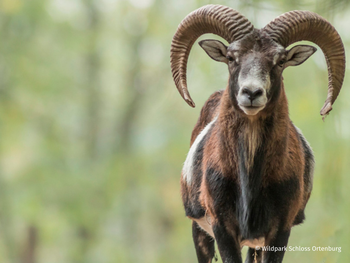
(251, 136)
(246, 194)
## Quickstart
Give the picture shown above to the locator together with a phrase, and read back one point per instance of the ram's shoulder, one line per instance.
(208, 113)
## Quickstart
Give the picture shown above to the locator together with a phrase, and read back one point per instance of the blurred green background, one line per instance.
(94, 133)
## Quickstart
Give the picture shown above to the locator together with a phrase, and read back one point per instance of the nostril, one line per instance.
(257, 93)
(247, 91)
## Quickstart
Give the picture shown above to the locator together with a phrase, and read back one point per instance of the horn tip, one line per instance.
(188, 99)
(190, 102)
(325, 110)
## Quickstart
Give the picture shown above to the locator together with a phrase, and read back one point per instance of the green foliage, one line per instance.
(93, 132)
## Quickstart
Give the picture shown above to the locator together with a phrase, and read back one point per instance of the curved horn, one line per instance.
(217, 19)
(304, 25)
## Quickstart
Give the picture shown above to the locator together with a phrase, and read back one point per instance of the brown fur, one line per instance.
(222, 157)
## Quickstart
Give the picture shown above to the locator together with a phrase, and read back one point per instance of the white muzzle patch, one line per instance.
(252, 83)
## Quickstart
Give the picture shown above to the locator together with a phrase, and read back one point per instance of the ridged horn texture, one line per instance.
(217, 19)
(304, 25)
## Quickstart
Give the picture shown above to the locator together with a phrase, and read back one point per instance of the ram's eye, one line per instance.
(281, 62)
(230, 58)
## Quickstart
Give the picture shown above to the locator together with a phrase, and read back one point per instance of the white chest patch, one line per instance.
(187, 169)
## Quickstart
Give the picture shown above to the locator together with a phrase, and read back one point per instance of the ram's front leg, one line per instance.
(221, 192)
(203, 243)
(228, 244)
(279, 242)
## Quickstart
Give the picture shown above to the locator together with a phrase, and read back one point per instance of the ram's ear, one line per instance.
(298, 54)
(215, 49)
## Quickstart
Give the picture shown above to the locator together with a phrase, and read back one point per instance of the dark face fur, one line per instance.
(255, 66)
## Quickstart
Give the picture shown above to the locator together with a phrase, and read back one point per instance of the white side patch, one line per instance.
(187, 169)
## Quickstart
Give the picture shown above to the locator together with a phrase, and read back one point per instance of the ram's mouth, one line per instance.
(251, 110)
(252, 107)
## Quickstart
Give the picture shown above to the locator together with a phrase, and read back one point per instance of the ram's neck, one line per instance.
(244, 136)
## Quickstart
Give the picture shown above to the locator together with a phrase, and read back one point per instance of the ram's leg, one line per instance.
(279, 242)
(203, 243)
(229, 247)
(253, 256)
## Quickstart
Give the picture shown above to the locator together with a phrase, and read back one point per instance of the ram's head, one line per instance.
(257, 58)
